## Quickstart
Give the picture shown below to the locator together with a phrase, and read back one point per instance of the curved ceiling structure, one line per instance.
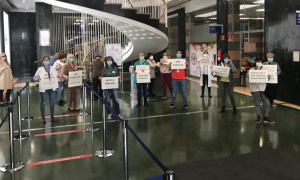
(144, 38)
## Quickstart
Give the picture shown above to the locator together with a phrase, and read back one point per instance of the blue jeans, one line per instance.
(140, 87)
(182, 83)
(114, 94)
(61, 90)
(43, 95)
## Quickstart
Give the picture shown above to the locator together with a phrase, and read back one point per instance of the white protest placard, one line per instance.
(258, 76)
(46, 83)
(272, 70)
(115, 51)
(110, 82)
(221, 71)
(143, 75)
(178, 64)
(75, 79)
(205, 62)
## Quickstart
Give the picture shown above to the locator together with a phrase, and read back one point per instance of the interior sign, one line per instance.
(297, 17)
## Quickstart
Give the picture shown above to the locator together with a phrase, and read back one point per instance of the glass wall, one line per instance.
(173, 35)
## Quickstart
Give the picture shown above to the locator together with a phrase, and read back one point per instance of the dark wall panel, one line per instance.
(282, 38)
(23, 43)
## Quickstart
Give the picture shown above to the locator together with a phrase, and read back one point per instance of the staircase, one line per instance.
(143, 24)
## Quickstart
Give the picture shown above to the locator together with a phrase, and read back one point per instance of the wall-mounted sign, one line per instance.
(216, 29)
(296, 56)
(115, 51)
(222, 37)
(44, 37)
(229, 37)
(297, 17)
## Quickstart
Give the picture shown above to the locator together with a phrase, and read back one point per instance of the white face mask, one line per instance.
(151, 57)
(205, 55)
(259, 65)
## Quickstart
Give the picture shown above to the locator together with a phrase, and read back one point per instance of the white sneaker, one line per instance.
(109, 116)
(120, 116)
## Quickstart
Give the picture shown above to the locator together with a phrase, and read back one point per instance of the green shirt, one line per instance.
(138, 63)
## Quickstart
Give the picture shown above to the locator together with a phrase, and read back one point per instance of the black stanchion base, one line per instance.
(17, 166)
(108, 153)
(28, 119)
(23, 137)
(89, 129)
(82, 114)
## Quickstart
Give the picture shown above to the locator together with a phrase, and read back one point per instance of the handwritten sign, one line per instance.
(272, 70)
(205, 62)
(75, 79)
(221, 71)
(258, 76)
(178, 64)
(46, 83)
(110, 82)
(143, 75)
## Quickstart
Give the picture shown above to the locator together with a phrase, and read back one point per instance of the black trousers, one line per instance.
(97, 87)
(205, 83)
(7, 95)
(271, 92)
(150, 87)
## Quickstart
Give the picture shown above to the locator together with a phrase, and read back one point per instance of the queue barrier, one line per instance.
(169, 174)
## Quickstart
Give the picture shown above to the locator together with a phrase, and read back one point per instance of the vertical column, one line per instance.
(44, 20)
(222, 18)
(234, 39)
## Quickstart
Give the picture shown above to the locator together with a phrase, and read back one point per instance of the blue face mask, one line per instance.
(270, 59)
(46, 63)
(179, 55)
(142, 58)
(109, 63)
(71, 60)
(165, 57)
(226, 61)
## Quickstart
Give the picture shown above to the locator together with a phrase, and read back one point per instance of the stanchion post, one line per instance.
(92, 128)
(83, 113)
(125, 149)
(28, 118)
(20, 137)
(169, 175)
(12, 166)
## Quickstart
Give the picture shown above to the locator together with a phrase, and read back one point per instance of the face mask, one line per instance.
(46, 63)
(71, 60)
(259, 65)
(270, 59)
(165, 57)
(151, 58)
(109, 63)
(179, 55)
(226, 61)
(142, 58)
(205, 55)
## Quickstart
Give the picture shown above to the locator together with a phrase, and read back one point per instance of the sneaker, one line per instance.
(268, 121)
(63, 101)
(43, 121)
(222, 110)
(234, 111)
(164, 97)
(172, 106)
(258, 120)
(60, 103)
(202, 96)
(138, 105)
(109, 117)
(186, 106)
(53, 119)
(120, 116)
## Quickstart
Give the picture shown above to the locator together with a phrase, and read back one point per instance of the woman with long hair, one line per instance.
(6, 78)
(58, 66)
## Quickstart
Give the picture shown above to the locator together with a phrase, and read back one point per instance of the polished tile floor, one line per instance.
(175, 136)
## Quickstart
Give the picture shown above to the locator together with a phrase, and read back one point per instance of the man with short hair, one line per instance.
(141, 86)
(178, 79)
(54, 58)
(97, 66)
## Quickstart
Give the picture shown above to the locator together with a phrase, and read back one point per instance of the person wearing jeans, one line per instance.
(97, 67)
(46, 68)
(58, 66)
(165, 75)
(6, 79)
(141, 86)
(111, 70)
(178, 79)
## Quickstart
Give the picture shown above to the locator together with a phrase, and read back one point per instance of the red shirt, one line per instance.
(178, 74)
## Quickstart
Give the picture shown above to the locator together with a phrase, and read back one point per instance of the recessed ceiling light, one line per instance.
(244, 18)
(142, 38)
(213, 18)
(260, 10)
(23, 1)
(137, 34)
(77, 20)
(241, 14)
(27, 8)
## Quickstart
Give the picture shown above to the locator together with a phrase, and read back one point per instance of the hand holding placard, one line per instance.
(258, 76)
(221, 71)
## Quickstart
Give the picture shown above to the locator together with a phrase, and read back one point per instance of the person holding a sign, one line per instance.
(58, 66)
(165, 74)
(47, 70)
(226, 84)
(271, 90)
(257, 91)
(70, 67)
(6, 78)
(178, 79)
(141, 86)
(153, 66)
(205, 75)
(111, 70)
